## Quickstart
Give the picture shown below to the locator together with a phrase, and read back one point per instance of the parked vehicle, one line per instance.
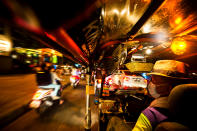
(126, 98)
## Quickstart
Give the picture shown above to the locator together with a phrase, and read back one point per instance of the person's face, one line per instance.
(159, 86)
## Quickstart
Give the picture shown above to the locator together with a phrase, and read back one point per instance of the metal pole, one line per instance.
(88, 110)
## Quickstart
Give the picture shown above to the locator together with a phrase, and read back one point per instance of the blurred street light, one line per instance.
(115, 11)
(123, 11)
(5, 44)
(148, 51)
(103, 12)
(146, 28)
(178, 20)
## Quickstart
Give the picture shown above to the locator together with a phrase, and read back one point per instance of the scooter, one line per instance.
(45, 97)
(74, 79)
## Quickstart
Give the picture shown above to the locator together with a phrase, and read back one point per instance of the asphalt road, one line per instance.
(69, 116)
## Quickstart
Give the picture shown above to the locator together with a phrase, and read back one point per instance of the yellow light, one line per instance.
(103, 12)
(128, 11)
(178, 46)
(178, 20)
(146, 28)
(5, 43)
(115, 11)
(37, 95)
(182, 45)
(123, 11)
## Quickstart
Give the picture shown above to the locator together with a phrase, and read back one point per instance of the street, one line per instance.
(68, 116)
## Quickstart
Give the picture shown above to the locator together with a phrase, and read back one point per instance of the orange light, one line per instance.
(148, 1)
(99, 81)
(35, 104)
(178, 46)
(176, 21)
(37, 95)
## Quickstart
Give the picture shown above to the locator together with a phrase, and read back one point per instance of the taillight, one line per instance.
(73, 78)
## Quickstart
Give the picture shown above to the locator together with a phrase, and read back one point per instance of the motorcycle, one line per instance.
(45, 97)
(74, 79)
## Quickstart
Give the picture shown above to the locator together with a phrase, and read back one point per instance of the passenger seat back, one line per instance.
(182, 106)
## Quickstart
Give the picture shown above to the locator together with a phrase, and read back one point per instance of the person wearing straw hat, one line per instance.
(165, 75)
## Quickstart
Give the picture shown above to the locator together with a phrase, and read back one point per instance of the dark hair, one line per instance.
(50, 67)
(43, 66)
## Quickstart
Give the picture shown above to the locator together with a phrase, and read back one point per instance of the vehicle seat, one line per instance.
(182, 106)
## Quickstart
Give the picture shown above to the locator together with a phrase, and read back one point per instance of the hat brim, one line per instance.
(160, 74)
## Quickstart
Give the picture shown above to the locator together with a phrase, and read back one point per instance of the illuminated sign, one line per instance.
(5, 44)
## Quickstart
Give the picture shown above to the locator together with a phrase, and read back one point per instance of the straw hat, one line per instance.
(171, 69)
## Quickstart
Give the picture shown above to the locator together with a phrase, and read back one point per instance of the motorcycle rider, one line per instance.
(166, 74)
(76, 72)
(47, 78)
(76, 75)
(43, 75)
